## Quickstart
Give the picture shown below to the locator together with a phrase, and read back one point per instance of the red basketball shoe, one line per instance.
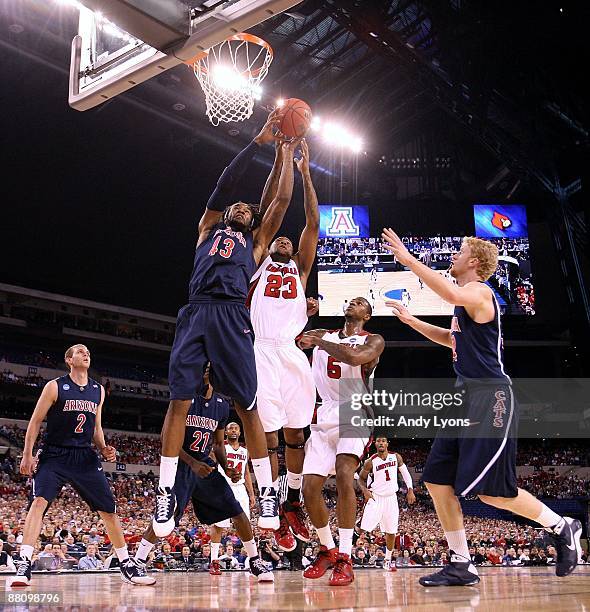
(322, 563)
(342, 573)
(296, 518)
(283, 536)
(214, 568)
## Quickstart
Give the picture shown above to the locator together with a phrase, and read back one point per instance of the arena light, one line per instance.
(226, 77)
(337, 135)
(280, 102)
(315, 123)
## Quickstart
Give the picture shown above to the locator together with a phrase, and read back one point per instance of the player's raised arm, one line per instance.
(47, 398)
(352, 355)
(276, 211)
(440, 335)
(472, 294)
(231, 176)
(108, 452)
(272, 182)
(308, 243)
(367, 469)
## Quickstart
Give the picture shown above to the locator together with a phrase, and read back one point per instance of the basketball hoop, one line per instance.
(230, 75)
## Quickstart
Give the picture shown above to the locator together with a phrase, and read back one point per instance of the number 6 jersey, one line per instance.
(278, 307)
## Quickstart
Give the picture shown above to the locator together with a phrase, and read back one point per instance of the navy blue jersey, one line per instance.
(204, 418)
(224, 264)
(70, 421)
(477, 347)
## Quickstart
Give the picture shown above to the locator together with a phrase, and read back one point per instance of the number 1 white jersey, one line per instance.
(384, 474)
(278, 307)
(237, 459)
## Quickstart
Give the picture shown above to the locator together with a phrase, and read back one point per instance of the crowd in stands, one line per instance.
(73, 537)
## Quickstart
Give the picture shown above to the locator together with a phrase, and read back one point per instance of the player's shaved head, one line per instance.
(358, 309)
(232, 424)
(281, 249)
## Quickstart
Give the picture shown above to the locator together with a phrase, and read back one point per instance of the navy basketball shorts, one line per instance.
(217, 332)
(80, 467)
(212, 497)
(481, 459)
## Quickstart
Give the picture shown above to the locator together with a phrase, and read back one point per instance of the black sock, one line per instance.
(293, 495)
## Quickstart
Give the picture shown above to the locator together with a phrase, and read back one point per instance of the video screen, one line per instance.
(361, 266)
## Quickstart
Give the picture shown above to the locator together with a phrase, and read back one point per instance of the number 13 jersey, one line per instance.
(278, 307)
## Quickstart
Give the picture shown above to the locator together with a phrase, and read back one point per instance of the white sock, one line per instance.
(143, 550)
(388, 554)
(345, 541)
(325, 536)
(215, 551)
(262, 472)
(250, 548)
(168, 467)
(547, 518)
(122, 553)
(458, 542)
(26, 551)
(293, 480)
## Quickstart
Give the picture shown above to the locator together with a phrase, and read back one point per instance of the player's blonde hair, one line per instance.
(486, 254)
(70, 352)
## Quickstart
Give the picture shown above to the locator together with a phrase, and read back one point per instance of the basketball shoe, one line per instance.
(269, 510)
(342, 573)
(295, 516)
(259, 570)
(283, 536)
(325, 560)
(163, 521)
(134, 572)
(456, 573)
(389, 566)
(23, 574)
(214, 568)
(566, 536)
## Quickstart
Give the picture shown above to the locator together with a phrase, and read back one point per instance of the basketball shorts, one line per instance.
(241, 495)
(382, 510)
(286, 391)
(212, 497)
(325, 443)
(81, 468)
(481, 460)
(217, 332)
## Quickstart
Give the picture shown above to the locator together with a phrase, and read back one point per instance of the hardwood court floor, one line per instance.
(335, 288)
(501, 590)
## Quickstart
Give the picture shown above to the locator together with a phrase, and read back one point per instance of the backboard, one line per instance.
(122, 43)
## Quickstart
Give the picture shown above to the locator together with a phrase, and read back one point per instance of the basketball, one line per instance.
(296, 118)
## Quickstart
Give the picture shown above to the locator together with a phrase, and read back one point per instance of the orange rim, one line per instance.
(244, 36)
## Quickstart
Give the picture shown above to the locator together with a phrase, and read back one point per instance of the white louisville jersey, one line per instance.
(327, 371)
(384, 474)
(278, 306)
(238, 459)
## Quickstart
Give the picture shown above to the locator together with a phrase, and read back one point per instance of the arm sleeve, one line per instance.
(403, 470)
(230, 178)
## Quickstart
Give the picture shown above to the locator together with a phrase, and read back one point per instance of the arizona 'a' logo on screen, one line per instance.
(502, 222)
(342, 222)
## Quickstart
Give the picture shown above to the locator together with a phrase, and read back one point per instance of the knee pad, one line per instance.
(295, 446)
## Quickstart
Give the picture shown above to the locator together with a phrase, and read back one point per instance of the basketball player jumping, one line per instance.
(73, 407)
(348, 354)
(215, 326)
(484, 466)
(237, 461)
(286, 391)
(382, 508)
(198, 480)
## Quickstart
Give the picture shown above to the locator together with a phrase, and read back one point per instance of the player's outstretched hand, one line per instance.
(394, 244)
(368, 495)
(399, 310)
(410, 497)
(267, 133)
(201, 469)
(302, 162)
(28, 464)
(313, 306)
(233, 474)
(109, 454)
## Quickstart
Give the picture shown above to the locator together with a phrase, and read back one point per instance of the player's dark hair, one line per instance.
(367, 306)
(256, 215)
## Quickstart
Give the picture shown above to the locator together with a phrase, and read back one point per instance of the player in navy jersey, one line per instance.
(482, 463)
(198, 479)
(215, 325)
(73, 406)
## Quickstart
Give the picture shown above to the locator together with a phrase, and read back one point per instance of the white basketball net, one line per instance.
(230, 75)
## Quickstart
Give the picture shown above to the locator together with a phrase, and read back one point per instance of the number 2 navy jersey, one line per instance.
(204, 418)
(224, 264)
(70, 421)
(477, 347)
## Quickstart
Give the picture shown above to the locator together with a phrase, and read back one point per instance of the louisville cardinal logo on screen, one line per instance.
(502, 222)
